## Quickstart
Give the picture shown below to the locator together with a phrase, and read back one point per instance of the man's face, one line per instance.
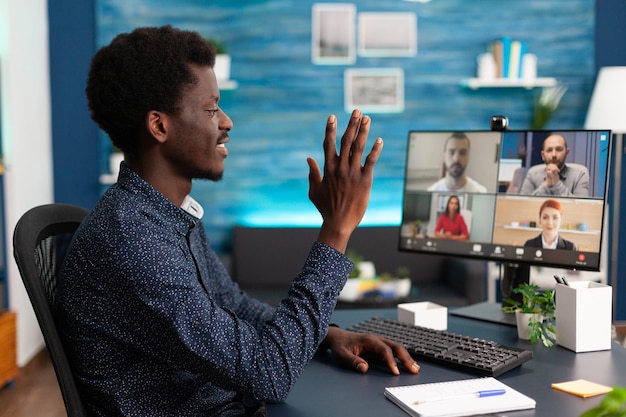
(456, 156)
(554, 150)
(199, 132)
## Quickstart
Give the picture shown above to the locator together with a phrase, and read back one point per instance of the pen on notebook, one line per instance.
(564, 280)
(558, 280)
(478, 394)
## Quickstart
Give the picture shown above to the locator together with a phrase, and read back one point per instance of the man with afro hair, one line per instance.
(152, 322)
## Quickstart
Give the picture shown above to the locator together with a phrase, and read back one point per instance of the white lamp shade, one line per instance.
(607, 109)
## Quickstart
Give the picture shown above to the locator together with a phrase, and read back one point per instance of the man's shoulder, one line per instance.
(572, 166)
(120, 215)
(539, 168)
(438, 186)
(474, 186)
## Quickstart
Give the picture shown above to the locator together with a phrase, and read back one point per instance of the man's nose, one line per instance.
(225, 122)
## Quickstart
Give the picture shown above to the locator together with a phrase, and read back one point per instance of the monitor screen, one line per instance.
(530, 197)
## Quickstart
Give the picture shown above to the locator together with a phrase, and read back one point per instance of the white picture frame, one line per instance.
(374, 90)
(387, 34)
(333, 34)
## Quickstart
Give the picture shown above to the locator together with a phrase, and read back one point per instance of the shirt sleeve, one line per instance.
(266, 359)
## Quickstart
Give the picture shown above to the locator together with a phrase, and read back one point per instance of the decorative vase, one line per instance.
(522, 319)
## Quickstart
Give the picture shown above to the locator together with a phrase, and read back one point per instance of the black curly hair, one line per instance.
(146, 69)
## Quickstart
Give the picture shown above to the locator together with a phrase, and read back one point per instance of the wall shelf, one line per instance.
(475, 83)
(564, 231)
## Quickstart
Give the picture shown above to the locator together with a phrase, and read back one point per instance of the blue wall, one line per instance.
(75, 137)
(284, 108)
(283, 98)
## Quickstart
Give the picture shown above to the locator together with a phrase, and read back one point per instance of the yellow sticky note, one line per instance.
(582, 388)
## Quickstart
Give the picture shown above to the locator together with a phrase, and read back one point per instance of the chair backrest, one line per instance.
(40, 240)
(515, 186)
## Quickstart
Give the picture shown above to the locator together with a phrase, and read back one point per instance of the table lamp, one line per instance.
(607, 110)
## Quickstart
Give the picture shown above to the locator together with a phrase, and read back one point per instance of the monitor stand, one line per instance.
(512, 276)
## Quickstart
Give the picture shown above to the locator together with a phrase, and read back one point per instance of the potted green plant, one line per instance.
(222, 60)
(612, 405)
(536, 310)
(545, 104)
(398, 285)
(417, 227)
(356, 283)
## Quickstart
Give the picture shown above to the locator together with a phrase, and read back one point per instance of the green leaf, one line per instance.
(535, 300)
(613, 405)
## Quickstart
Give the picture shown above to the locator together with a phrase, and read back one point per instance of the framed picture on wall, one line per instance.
(333, 33)
(374, 90)
(387, 34)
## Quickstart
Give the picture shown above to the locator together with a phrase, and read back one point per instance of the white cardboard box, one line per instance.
(583, 316)
(425, 314)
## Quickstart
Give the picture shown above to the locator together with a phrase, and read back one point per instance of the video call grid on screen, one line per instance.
(500, 214)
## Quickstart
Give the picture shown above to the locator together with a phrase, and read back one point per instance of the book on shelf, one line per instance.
(508, 55)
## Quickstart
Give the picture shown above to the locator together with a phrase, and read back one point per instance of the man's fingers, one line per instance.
(358, 144)
(330, 147)
(348, 138)
(315, 175)
(372, 157)
(406, 360)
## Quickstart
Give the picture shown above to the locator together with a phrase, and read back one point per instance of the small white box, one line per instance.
(425, 314)
(583, 316)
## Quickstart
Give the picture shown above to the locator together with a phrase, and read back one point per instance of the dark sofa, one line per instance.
(265, 260)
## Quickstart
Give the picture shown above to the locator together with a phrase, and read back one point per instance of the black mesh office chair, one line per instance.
(40, 240)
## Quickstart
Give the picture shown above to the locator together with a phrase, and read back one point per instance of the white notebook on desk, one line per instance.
(466, 397)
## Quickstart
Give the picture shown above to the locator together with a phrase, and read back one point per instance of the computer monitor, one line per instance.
(495, 195)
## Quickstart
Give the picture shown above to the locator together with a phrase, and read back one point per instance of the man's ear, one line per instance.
(157, 125)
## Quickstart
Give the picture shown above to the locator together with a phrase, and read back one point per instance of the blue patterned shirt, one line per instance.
(154, 326)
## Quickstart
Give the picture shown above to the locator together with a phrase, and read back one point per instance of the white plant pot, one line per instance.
(403, 287)
(222, 67)
(367, 269)
(350, 291)
(114, 163)
(523, 329)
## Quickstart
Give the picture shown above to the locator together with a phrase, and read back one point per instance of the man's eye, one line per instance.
(212, 112)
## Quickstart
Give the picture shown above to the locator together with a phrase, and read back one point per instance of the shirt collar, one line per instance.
(545, 245)
(183, 217)
(192, 207)
(563, 172)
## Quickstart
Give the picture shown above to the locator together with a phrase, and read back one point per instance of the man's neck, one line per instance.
(172, 187)
(455, 183)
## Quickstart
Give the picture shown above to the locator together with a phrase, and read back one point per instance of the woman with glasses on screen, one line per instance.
(451, 224)
(550, 217)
